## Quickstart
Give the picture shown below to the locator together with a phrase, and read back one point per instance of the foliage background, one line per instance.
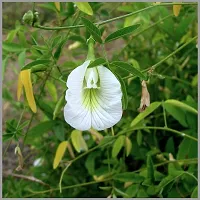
(147, 165)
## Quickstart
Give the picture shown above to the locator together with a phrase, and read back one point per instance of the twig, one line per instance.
(29, 178)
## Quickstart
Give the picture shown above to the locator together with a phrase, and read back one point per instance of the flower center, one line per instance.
(91, 77)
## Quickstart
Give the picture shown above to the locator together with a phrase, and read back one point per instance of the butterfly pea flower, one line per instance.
(94, 98)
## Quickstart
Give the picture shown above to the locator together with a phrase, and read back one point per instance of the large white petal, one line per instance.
(75, 113)
(106, 101)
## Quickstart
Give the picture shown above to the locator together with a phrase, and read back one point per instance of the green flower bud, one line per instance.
(28, 18)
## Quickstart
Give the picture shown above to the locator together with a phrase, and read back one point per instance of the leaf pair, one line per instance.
(24, 79)
(96, 33)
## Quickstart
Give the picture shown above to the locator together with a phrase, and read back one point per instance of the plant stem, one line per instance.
(113, 19)
(164, 114)
(159, 128)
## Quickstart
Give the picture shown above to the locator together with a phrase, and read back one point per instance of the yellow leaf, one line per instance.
(128, 146)
(176, 10)
(59, 153)
(26, 81)
(84, 7)
(19, 87)
(78, 141)
(57, 4)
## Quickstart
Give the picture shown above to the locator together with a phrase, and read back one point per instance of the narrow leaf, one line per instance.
(78, 141)
(19, 87)
(130, 68)
(52, 90)
(119, 143)
(176, 10)
(150, 169)
(153, 106)
(128, 146)
(121, 32)
(58, 106)
(12, 47)
(59, 153)
(37, 62)
(84, 7)
(26, 81)
(97, 62)
(57, 5)
(94, 31)
(181, 105)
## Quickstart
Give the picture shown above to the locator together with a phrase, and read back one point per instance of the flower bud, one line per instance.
(28, 18)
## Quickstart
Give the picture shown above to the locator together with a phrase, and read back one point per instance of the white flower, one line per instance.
(93, 98)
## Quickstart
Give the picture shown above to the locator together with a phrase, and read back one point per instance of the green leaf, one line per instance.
(52, 90)
(21, 58)
(37, 131)
(128, 146)
(7, 136)
(12, 47)
(181, 105)
(94, 31)
(59, 130)
(56, 41)
(153, 106)
(139, 137)
(97, 62)
(129, 177)
(59, 106)
(40, 48)
(124, 92)
(39, 68)
(132, 190)
(150, 169)
(142, 193)
(130, 68)
(107, 140)
(121, 32)
(84, 7)
(90, 162)
(11, 35)
(78, 141)
(37, 62)
(59, 48)
(195, 193)
(188, 148)
(119, 143)
(119, 192)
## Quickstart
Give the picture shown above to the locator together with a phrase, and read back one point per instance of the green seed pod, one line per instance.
(58, 106)
(28, 18)
(39, 68)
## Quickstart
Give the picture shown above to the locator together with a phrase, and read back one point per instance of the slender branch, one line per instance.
(113, 19)
(29, 178)
(159, 128)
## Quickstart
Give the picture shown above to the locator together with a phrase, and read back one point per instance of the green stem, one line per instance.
(63, 172)
(164, 114)
(159, 128)
(113, 19)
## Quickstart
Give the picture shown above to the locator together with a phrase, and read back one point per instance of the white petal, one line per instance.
(106, 102)
(75, 113)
